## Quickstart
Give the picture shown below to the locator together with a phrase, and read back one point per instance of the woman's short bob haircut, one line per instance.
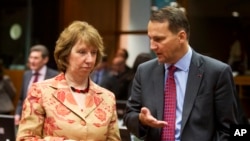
(77, 30)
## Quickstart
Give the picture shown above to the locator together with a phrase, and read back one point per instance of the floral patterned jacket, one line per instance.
(50, 113)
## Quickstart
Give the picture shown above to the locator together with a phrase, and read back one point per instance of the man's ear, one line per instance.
(45, 60)
(182, 35)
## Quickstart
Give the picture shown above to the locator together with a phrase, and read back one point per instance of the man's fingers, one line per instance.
(160, 123)
(145, 111)
(147, 119)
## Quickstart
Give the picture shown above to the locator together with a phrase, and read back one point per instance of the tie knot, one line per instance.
(172, 69)
(36, 73)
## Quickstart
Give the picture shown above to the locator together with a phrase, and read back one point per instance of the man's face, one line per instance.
(36, 61)
(118, 64)
(163, 42)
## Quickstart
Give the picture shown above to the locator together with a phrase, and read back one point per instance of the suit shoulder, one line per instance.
(198, 59)
(52, 72)
(27, 75)
(211, 60)
(211, 63)
(27, 72)
(150, 63)
(48, 80)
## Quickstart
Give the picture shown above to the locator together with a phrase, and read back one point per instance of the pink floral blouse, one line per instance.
(50, 112)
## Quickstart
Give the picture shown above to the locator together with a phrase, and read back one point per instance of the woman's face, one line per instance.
(82, 58)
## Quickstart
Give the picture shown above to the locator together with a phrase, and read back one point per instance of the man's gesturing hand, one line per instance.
(147, 119)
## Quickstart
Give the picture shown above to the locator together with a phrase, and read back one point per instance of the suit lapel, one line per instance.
(27, 81)
(93, 100)
(48, 73)
(158, 89)
(67, 99)
(64, 96)
(193, 83)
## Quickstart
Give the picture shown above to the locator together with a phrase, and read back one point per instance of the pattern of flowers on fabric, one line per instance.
(62, 110)
(100, 114)
(70, 99)
(97, 100)
(89, 101)
(62, 117)
(50, 126)
(60, 77)
(32, 99)
(49, 114)
(61, 96)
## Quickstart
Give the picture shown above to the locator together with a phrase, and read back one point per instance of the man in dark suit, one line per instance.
(123, 75)
(206, 102)
(38, 58)
(103, 76)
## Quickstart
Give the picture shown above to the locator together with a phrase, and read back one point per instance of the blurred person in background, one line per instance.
(238, 56)
(7, 92)
(103, 76)
(37, 71)
(140, 58)
(122, 73)
(122, 52)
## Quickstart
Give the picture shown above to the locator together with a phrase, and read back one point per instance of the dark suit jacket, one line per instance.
(210, 103)
(108, 80)
(25, 83)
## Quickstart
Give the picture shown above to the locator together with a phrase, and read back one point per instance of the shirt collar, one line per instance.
(42, 71)
(184, 63)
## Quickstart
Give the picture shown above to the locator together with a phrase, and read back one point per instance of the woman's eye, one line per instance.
(82, 52)
(94, 52)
